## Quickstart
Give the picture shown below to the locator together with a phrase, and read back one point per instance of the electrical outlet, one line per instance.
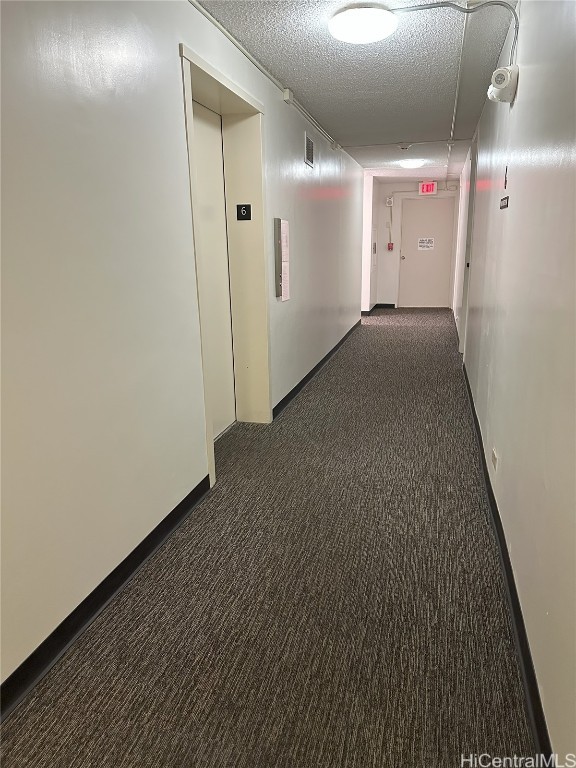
(494, 459)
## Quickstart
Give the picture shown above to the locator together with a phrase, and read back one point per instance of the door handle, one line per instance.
(403, 258)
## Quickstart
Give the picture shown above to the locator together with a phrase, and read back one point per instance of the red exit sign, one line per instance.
(428, 187)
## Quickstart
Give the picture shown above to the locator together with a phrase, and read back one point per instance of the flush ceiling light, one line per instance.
(411, 163)
(362, 24)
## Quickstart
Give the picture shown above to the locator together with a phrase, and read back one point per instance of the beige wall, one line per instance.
(104, 430)
(323, 206)
(520, 340)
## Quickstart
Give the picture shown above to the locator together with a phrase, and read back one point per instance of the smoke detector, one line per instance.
(504, 84)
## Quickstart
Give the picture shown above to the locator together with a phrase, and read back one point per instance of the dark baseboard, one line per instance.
(379, 306)
(535, 709)
(16, 687)
(293, 392)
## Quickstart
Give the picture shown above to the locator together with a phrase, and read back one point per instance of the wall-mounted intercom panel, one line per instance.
(282, 258)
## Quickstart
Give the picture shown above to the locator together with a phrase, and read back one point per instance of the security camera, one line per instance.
(504, 84)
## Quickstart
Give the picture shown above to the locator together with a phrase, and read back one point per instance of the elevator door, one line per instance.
(211, 246)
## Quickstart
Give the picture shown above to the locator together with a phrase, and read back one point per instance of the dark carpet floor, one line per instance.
(335, 601)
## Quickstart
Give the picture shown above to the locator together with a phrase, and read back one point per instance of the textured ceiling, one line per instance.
(401, 89)
(384, 159)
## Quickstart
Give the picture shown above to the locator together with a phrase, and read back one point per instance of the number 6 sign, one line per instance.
(244, 212)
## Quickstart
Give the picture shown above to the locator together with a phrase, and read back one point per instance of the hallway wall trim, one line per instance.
(534, 702)
(21, 682)
(378, 306)
(277, 410)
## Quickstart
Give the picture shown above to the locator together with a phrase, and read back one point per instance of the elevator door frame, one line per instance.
(213, 271)
(242, 117)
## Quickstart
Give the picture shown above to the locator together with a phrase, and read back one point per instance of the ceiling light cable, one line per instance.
(462, 9)
(450, 142)
(398, 144)
(303, 111)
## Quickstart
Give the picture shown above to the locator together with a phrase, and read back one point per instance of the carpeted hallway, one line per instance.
(335, 601)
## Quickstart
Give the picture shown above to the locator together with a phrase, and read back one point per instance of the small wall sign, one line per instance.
(504, 202)
(244, 212)
(425, 243)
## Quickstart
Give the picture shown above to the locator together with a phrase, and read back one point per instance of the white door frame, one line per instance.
(247, 251)
(415, 196)
(469, 240)
(369, 189)
(374, 265)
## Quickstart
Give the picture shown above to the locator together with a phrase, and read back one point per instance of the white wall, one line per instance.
(389, 261)
(374, 256)
(324, 207)
(103, 402)
(520, 341)
(460, 260)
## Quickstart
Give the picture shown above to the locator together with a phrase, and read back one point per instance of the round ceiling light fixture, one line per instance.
(362, 24)
(411, 163)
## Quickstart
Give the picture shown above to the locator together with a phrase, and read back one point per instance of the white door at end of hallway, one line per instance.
(211, 246)
(426, 252)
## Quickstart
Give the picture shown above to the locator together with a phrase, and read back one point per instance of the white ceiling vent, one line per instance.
(309, 155)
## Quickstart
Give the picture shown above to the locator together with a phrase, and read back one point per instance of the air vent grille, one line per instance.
(309, 156)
